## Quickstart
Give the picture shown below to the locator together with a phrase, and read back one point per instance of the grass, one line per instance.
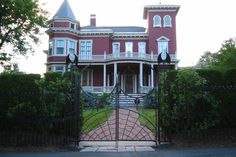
(93, 118)
(147, 117)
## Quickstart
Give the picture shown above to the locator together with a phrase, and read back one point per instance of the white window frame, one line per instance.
(61, 71)
(160, 42)
(116, 54)
(68, 46)
(64, 48)
(157, 21)
(140, 48)
(51, 45)
(167, 20)
(128, 53)
(85, 55)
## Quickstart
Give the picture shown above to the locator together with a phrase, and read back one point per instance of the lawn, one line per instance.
(92, 118)
(147, 117)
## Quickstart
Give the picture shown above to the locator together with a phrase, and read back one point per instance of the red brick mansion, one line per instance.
(125, 54)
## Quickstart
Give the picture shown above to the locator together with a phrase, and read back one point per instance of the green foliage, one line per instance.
(185, 105)
(224, 59)
(17, 89)
(52, 88)
(20, 24)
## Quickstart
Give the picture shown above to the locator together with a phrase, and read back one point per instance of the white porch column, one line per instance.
(152, 75)
(115, 73)
(141, 75)
(104, 77)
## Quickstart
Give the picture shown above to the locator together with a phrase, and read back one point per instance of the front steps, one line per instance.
(128, 100)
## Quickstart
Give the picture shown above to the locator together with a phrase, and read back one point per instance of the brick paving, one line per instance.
(130, 128)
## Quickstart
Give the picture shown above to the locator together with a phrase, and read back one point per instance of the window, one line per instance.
(71, 47)
(87, 78)
(157, 21)
(116, 49)
(50, 51)
(60, 44)
(85, 49)
(59, 69)
(163, 44)
(49, 69)
(167, 21)
(72, 25)
(128, 49)
(142, 49)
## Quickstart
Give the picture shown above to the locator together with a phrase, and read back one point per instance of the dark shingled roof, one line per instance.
(64, 12)
(118, 28)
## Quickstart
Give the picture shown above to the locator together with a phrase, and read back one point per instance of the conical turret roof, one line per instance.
(64, 12)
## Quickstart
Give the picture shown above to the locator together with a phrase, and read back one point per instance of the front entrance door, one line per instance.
(129, 82)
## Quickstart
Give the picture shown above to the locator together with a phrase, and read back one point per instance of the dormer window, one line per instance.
(167, 21)
(157, 21)
(72, 25)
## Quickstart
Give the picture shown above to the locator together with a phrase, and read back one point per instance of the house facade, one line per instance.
(127, 55)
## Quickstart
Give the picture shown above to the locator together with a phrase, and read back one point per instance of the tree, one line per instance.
(20, 24)
(225, 58)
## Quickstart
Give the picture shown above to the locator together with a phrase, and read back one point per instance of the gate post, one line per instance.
(78, 115)
(163, 59)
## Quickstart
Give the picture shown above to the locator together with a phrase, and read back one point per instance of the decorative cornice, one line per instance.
(160, 8)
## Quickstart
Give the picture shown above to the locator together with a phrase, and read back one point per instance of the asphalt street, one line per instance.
(204, 152)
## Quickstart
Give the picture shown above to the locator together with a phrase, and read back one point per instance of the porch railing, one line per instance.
(98, 89)
(108, 89)
(145, 89)
(124, 55)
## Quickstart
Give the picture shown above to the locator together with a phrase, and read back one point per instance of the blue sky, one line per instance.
(202, 25)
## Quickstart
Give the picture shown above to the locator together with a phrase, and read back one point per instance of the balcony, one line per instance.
(124, 56)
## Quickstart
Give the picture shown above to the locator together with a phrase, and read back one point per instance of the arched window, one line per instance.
(157, 21)
(167, 21)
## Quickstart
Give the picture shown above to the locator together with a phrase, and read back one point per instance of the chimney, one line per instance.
(93, 20)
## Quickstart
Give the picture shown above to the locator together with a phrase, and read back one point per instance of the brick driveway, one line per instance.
(129, 128)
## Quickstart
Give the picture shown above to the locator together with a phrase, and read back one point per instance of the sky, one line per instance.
(202, 25)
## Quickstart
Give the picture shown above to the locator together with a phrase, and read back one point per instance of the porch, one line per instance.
(133, 77)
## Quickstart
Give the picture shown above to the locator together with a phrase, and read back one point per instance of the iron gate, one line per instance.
(118, 116)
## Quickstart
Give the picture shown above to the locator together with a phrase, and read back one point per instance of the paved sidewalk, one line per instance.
(206, 152)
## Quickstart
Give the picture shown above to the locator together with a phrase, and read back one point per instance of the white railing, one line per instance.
(145, 89)
(108, 89)
(124, 55)
(98, 89)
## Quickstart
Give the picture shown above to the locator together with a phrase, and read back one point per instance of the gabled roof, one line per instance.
(64, 12)
(117, 28)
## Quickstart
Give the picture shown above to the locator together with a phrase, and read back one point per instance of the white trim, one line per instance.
(163, 38)
(104, 75)
(152, 75)
(115, 73)
(135, 83)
